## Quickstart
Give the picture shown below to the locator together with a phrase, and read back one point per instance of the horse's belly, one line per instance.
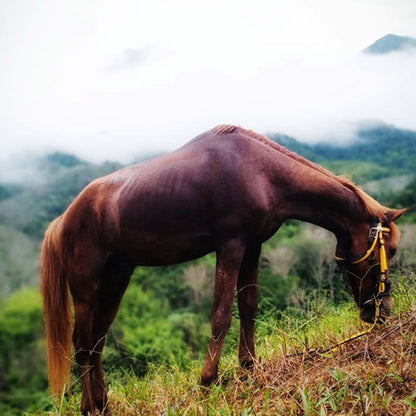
(167, 251)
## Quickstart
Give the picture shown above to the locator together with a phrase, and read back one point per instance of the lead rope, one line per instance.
(335, 347)
(378, 301)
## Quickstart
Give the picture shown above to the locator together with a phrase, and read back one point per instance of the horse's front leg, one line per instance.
(247, 305)
(229, 258)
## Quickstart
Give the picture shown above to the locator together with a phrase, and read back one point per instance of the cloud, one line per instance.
(128, 59)
(169, 70)
(165, 104)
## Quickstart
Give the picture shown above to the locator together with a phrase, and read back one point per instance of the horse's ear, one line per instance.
(392, 214)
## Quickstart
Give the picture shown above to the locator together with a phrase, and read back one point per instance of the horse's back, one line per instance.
(181, 205)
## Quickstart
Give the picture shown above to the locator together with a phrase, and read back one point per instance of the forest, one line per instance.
(160, 335)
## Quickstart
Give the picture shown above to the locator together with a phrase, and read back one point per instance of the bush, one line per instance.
(143, 333)
(23, 378)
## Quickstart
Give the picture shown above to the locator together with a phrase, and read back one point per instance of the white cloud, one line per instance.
(268, 65)
(128, 59)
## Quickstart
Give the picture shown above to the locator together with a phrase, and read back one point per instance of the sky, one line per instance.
(112, 80)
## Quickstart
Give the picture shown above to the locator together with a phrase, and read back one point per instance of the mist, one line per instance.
(310, 99)
(117, 83)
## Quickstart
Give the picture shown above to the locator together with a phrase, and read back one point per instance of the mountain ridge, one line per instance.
(382, 144)
(378, 152)
(390, 43)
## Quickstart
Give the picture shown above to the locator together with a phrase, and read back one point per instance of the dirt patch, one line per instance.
(372, 375)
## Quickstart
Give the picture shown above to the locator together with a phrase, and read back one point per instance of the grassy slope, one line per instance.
(338, 384)
(372, 375)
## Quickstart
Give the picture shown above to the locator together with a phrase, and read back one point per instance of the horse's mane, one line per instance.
(373, 207)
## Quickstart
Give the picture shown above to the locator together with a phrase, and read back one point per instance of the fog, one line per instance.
(109, 82)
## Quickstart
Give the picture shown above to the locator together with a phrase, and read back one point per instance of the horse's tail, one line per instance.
(56, 309)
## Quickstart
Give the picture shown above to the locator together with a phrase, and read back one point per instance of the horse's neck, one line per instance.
(323, 200)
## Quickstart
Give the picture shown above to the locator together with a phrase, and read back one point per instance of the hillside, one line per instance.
(27, 207)
(374, 374)
(381, 158)
(154, 348)
(19, 263)
(375, 152)
(56, 179)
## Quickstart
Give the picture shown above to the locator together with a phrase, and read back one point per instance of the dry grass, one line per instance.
(372, 375)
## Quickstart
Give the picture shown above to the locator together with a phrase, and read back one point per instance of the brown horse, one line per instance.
(227, 191)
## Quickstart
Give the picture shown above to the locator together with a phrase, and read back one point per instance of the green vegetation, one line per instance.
(60, 180)
(386, 150)
(407, 199)
(19, 260)
(156, 345)
(8, 190)
(374, 374)
(22, 354)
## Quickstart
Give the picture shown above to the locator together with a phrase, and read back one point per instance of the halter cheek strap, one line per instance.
(376, 234)
(383, 261)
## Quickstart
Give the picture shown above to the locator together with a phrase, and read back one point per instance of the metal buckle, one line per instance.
(373, 233)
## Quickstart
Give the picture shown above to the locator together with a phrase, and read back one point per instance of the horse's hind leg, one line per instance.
(247, 305)
(114, 280)
(96, 304)
(229, 258)
(82, 337)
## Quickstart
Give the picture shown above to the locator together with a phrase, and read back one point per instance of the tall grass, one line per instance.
(373, 375)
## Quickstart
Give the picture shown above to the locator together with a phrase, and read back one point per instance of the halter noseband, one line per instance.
(375, 235)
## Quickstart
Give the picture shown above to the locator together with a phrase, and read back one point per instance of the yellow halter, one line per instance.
(376, 233)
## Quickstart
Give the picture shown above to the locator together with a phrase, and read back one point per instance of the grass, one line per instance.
(372, 375)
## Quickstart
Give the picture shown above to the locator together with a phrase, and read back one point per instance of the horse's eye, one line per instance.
(392, 252)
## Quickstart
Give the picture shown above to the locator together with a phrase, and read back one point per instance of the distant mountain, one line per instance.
(8, 190)
(301, 148)
(391, 43)
(29, 209)
(376, 152)
(19, 260)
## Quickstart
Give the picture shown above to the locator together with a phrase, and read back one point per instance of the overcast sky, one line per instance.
(115, 79)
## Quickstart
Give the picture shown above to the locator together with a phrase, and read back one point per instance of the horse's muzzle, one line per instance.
(369, 310)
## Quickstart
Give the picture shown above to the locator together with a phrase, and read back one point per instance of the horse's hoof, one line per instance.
(247, 364)
(207, 381)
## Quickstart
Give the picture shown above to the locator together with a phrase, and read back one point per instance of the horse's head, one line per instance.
(365, 265)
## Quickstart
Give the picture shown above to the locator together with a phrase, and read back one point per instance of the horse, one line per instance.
(226, 191)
